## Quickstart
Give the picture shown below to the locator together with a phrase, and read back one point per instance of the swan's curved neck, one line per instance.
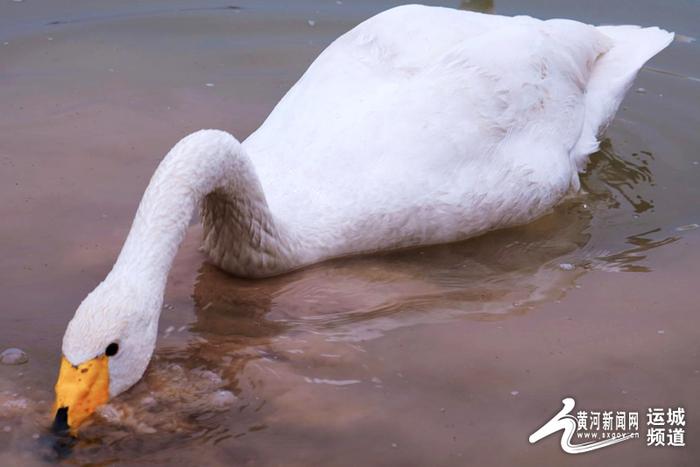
(200, 164)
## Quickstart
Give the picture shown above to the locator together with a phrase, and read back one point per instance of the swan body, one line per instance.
(421, 125)
(427, 125)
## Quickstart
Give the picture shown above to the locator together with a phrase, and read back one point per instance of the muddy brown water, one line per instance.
(449, 355)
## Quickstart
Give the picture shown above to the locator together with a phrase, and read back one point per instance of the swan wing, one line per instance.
(432, 124)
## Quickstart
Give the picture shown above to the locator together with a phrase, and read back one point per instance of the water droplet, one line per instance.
(209, 85)
(222, 399)
(661, 331)
(311, 22)
(148, 401)
(567, 267)
(13, 356)
(641, 90)
(683, 228)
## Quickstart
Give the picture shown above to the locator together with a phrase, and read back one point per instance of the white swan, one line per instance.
(421, 125)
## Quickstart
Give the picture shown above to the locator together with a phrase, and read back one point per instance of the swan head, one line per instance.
(106, 349)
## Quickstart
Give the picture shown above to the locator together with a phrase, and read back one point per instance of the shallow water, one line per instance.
(449, 355)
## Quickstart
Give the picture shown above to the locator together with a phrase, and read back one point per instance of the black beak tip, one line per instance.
(59, 444)
(60, 423)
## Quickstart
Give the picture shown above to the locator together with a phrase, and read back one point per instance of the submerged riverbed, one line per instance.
(448, 355)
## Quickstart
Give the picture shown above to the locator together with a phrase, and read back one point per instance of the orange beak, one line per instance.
(79, 391)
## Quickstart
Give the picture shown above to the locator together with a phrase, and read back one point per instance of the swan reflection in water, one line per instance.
(482, 6)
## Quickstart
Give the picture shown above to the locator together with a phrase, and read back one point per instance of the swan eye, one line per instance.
(112, 349)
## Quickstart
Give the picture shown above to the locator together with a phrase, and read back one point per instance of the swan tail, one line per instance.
(612, 75)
